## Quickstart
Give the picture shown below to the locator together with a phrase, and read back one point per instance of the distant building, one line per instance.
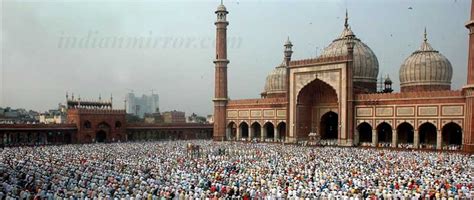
(194, 118)
(153, 118)
(18, 116)
(174, 117)
(140, 105)
(210, 119)
(54, 116)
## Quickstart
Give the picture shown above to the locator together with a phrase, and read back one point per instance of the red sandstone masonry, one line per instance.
(96, 111)
(257, 103)
(422, 97)
(323, 60)
(426, 94)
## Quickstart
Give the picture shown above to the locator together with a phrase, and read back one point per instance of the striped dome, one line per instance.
(366, 65)
(276, 80)
(427, 69)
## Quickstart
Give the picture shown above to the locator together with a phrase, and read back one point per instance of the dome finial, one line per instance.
(288, 42)
(425, 38)
(346, 22)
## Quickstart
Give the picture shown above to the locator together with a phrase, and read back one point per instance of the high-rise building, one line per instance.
(140, 105)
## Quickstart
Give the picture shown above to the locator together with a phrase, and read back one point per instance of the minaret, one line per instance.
(349, 115)
(288, 51)
(220, 79)
(470, 61)
(468, 90)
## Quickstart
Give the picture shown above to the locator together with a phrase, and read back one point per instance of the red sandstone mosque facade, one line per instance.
(95, 121)
(332, 99)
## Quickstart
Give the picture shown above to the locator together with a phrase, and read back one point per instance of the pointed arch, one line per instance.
(427, 135)
(103, 125)
(231, 131)
(364, 130)
(281, 127)
(269, 130)
(405, 133)
(452, 135)
(244, 129)
(384, 134)
(313, 95)
(256, 130)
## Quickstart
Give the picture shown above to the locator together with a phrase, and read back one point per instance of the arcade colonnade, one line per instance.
(404, 135)
(425, 136)
(168, 134)
(36, 137)
(268, 131)
(48, 134)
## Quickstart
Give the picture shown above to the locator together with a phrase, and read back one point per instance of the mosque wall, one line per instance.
(414, 114)
(261, 111)
(440, 109)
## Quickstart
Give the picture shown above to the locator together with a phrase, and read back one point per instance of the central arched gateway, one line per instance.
(314, 100)
(101, 136)
(103, 130)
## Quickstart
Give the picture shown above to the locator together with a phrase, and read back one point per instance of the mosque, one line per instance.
(333, 99)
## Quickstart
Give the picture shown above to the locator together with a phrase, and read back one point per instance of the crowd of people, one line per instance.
(231, 170)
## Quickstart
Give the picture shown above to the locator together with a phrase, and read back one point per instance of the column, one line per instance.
(250, 133)
(37, 138)
(263, 133)
(439, 140)
(416, 139)
(276, 134)
(394, 138)
(228, 133)
(375, 139)
(237, 134)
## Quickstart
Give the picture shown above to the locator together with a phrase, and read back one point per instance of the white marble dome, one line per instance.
(276, 80)
(426, 68)
(366, 65)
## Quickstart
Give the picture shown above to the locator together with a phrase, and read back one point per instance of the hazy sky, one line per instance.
(40, 62)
